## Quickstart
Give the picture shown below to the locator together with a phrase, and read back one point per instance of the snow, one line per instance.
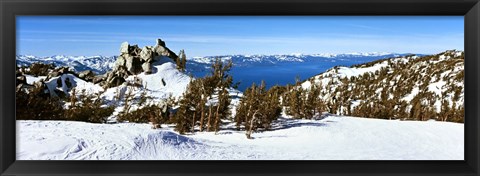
(437, 87)
(32, 79)
(349, 72)
(164, 69)
(78, 83)
(410, 96)
(332, 138)
(355, 103)
(306, 85)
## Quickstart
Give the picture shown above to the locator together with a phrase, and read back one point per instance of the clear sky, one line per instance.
(219, 35)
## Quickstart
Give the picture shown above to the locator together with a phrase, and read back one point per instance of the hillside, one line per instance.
(409, 87)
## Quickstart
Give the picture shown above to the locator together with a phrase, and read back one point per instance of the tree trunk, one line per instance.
(217, 118)
(250, 130)
(193, 122)
(202, 116)
(209, 117)
(246, 117)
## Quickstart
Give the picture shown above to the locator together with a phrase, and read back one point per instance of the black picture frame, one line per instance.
(470, 9)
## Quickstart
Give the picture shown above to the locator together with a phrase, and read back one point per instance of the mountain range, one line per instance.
(101, 64)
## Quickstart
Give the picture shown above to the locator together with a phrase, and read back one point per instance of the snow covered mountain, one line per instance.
(101, 64)
(239, 59)
(411, 87)
(98, 64)
(255, 60)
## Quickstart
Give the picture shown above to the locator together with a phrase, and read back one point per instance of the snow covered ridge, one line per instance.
(295, 57)
(98, 64)
(403, 84)
(102, 64)
(333, 138)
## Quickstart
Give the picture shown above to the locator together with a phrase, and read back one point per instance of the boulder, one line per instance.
(146, 54)
(133, 65)
(115, 81)
(147, 67)
(161, 43)
(98, 79)
(160, 51)
(64, 70)
(135, 50)
(45, 91)
(54, 73)
(119, 62)
(21, 79)
(25, 88)
(172, 55)
(124, 48)
(86, 74)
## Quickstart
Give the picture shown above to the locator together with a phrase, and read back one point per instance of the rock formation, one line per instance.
(134, 60)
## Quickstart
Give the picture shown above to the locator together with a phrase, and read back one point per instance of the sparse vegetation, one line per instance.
(37, 105)
(206, 101)
(258, 108)
(88, 109)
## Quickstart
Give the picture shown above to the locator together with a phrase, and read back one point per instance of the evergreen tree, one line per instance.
(258, 108)
(272, 106)
(185, 118)
(181, 61)
(223, 110)
(196, 104)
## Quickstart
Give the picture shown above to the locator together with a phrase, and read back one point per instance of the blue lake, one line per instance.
(278, 74)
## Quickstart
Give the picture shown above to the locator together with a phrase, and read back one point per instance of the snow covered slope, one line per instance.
(332, 138)
(436, 82)
(165, 80)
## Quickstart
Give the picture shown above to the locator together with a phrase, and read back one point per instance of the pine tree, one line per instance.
(312, 98)
(223, 110)
(258, 108)
(181, 61)
(185, 118)
(193, 105)
(272, 106)
(246, 110)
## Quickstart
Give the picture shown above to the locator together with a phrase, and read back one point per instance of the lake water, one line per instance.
(278, 74)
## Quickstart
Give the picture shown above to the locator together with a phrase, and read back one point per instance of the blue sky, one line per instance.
(219, 35)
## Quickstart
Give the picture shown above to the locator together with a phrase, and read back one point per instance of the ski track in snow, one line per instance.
(332, 138)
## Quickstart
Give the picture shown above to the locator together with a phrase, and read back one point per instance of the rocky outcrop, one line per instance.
(134, 60)
(51, 72)
(87, 75)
